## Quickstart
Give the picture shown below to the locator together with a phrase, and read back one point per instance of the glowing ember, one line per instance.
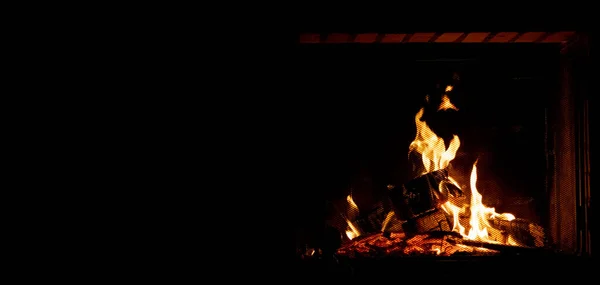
(397, 244)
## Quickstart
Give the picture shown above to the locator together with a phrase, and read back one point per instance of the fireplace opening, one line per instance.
(444, 150)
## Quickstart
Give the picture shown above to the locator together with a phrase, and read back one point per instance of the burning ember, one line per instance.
(429, 204)
(397, 244)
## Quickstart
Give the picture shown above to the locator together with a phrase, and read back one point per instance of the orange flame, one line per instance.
(436, 157)
(446, 104)
(479, 215)
(431, 147)
(351, 231)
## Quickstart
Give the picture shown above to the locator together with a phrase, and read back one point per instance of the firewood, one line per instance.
(421, 194)
(434, 220)
(523, 231)
(391, 223)
(505, 248)
(372, 221)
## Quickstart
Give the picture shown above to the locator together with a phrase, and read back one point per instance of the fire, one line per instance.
(351, 231)
(435, 157)
(455, 211)
(446, 104)
(479, 215)
(431, 147)
(353, 206)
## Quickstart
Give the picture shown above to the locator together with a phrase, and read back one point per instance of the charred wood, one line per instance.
(422, 194)
(418, 202)
(434, 220)
(372, 221)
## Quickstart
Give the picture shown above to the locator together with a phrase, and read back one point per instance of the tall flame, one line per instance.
(480, 214)
(436, 157)
(433, 151)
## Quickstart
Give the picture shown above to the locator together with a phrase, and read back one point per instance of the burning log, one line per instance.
(372, 221)
(523, 231)
(503, 248)
(398, 244)
(418, 202)
(434, 220)
(422, 194)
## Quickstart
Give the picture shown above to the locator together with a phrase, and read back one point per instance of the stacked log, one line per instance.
(523, 231)
(418, 202)
(415, 210)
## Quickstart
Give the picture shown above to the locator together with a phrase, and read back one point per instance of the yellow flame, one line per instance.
(446, 104)
(512, 241)
(350, 235)
(431, 147)
(503, 216)
(449, 88)
(352, 231)
(479, 213)
(353, 206)
(387, 220)
(436, 249)
(455, 212)
(479, 226)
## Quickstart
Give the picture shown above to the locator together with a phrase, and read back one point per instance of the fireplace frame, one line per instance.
(568, 152)
(567, 126)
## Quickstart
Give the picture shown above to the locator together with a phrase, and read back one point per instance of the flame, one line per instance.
(436, 157)
(455, 211)
(436, 249)
(387, 220)
(353, 206)
(431, 147)
(351, 231)
(480, 215)
(446, 104)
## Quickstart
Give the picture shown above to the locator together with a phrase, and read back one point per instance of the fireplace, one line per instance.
(444, 148)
